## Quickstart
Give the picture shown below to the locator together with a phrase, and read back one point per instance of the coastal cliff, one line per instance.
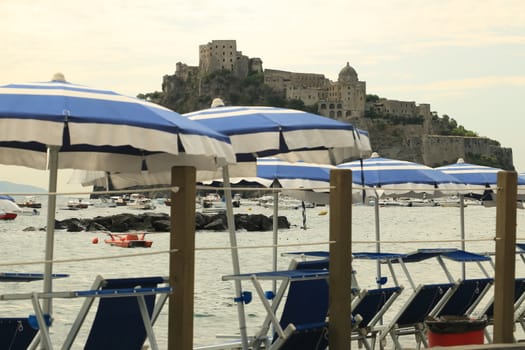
(427, 145)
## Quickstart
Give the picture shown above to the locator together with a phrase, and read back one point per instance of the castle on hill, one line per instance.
(341, 99)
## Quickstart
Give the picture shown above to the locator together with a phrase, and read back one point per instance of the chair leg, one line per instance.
(147, 322)
(44, 331)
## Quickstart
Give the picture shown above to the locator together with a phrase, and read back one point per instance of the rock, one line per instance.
(160, 222)
(161, 225)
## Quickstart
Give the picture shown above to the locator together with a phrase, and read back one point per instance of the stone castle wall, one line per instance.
(441, 150)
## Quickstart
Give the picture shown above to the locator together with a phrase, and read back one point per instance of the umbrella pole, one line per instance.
(462, 225)
(275, 223)
(378, 237)
(50, 226)
(235, 255)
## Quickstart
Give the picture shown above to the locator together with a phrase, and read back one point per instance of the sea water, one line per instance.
(402, 229)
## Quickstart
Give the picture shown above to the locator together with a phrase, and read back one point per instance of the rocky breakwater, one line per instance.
(160, 222)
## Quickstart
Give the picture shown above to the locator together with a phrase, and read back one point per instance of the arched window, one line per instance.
(339, 114)
(339, 106)
(331, 114)
(323, 106)
(331, 106)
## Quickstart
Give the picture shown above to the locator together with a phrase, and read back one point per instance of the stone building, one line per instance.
(223, 55)
(342, 99)
(399, 108)
(345, 98)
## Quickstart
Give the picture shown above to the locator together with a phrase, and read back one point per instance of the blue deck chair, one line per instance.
(488, 310)
(411, 317)
(119, 322)
(469, 292)
(424, 301)
(371, 305)
(16, 333)
(466, 297)
(370, 308)
(19, 332)
(302, 324)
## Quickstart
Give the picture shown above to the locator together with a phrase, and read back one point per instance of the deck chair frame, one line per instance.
(96, 292)
(298, 272)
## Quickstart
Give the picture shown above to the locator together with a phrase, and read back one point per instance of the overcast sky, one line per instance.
(466, 58)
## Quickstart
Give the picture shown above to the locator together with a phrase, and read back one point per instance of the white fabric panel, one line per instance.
(35, 160)
(23, 130)
(255, 142)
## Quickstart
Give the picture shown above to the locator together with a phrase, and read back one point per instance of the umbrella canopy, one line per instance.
(100, 130)
(391, 176)
(57, 124)
(478, 178)
(295, 175)
(287, 133)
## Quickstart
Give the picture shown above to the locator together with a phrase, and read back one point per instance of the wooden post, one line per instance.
(340, 280)
(505, 257)
(182, 262)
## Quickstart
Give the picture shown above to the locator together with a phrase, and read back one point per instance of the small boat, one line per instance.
(138, 201)
(128, 240)
(30, 202)
(74, 204)
(4, 215)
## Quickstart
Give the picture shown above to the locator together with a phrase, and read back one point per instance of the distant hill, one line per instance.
(12, 188)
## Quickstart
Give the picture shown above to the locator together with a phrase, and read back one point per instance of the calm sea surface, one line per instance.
(403, 229)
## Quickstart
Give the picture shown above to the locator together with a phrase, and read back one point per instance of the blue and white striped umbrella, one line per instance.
(78, 127)
(289, 134)
(100, 130)
(399, 177)
(478, 178)
(384, 176)
(295, 175)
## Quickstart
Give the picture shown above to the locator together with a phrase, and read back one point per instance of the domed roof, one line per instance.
(348, 74)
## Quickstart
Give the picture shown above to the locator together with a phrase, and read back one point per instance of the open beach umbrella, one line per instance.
(58, 125)
(289, 134)
(383, 176)
(480, 180)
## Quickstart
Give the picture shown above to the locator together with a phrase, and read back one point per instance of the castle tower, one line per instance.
(345, 98)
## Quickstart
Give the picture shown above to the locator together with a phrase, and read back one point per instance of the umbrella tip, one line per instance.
(217, 102)
(59, 77)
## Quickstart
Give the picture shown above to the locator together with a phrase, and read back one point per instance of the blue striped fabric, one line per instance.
(266, 131)
(473, 174)
(90, 125)
(399, 176)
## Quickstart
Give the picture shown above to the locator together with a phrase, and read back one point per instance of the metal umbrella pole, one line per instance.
(235, 256)
(50, 226)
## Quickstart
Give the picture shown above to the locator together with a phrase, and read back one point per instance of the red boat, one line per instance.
(7, 215)
(128, 240)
